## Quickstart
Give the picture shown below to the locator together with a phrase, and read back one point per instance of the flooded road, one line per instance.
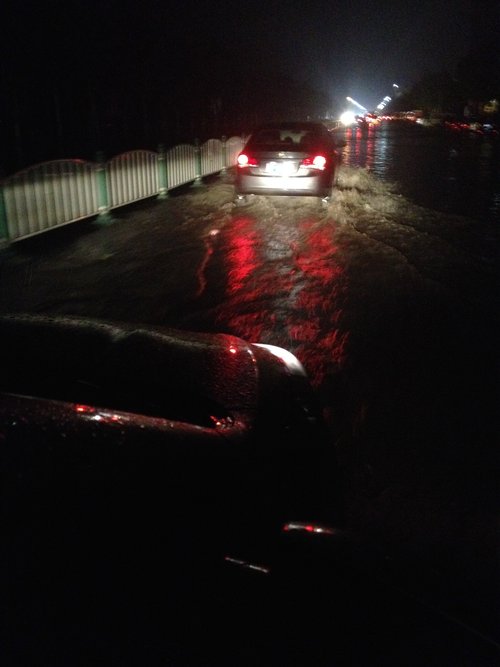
(391, 305)
(452, 171)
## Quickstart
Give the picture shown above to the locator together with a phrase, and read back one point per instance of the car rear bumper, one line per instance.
(316, 185)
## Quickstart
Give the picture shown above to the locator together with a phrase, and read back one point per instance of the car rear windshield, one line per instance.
(287, 139)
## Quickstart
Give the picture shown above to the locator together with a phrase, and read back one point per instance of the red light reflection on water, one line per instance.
(286, 287)
(359, 150)
(322, 344)
(243, 261)
(370, 148)
(242, 258)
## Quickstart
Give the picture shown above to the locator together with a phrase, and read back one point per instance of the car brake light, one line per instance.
(245, 160)
(316, 162)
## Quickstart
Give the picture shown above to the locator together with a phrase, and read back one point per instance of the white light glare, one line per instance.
(360, 106)
(290, 360)
(348, 118)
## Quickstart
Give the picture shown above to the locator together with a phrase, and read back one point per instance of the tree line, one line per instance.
(464, 92)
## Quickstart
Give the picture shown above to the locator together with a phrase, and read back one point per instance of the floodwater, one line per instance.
(389, 298)
(449, 171)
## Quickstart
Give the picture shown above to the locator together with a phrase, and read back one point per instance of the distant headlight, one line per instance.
(348, 118)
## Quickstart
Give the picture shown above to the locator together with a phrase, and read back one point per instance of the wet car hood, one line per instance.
(115, 430)
(175, 375)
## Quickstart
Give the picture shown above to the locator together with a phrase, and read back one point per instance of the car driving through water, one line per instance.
(289, 158)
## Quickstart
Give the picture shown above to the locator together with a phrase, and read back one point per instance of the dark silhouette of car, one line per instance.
(289, 158)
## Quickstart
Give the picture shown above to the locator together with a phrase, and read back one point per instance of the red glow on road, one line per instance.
(321, 343)
(286, 286)
(242, 259)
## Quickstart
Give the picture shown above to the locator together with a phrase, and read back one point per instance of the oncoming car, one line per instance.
(291, 158)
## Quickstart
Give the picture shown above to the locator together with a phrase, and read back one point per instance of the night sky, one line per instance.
(356, 47)
(68, 55)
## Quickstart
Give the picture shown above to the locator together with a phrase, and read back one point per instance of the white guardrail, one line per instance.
(60, 192)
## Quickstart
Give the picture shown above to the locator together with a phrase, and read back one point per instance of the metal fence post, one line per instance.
(162, 173)
(224, 154)
(103, 215)
(4, 230)
(197, 155)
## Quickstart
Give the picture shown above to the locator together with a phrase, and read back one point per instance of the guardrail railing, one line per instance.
(56, 193)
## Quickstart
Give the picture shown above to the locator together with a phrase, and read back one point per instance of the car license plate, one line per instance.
(281, 168)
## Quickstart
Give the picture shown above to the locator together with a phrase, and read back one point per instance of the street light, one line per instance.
(384, 102)
(357, 104)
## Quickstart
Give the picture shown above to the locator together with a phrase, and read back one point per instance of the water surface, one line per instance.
(457, 173)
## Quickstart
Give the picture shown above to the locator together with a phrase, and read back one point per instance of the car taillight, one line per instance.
(245, 160)
(316, 162)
